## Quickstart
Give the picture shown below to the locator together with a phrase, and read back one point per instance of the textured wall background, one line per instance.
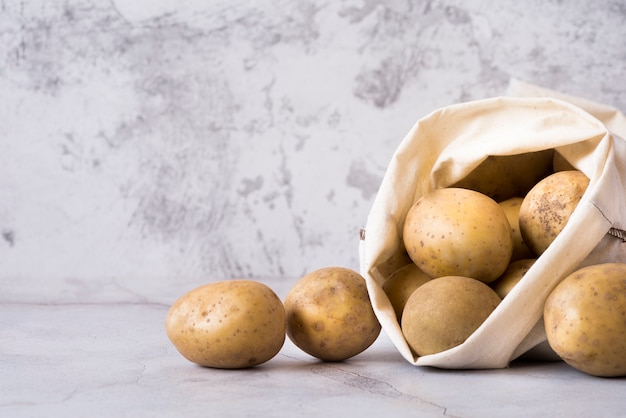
(149, 146)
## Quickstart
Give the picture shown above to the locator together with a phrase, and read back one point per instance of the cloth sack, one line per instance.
(444, 147)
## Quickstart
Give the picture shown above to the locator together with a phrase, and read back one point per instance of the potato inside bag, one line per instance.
(501, 147)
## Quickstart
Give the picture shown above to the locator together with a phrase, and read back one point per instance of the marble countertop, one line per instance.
(106, 359)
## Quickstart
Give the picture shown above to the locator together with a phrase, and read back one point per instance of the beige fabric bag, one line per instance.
(443, 147)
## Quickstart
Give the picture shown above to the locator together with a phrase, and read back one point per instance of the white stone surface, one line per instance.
(151, 146)
(114, 360)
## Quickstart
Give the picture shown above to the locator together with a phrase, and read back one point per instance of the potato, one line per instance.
(503, 286)
(329, 314)
(401, 284)
(458, 232)
(511, 210)
(584, 318)
(397, 260)
(228, 324)
(444, 312)
(505, 176)
(548, 206)
(511, 276)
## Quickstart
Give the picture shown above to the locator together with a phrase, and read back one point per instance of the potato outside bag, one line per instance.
(446, 145)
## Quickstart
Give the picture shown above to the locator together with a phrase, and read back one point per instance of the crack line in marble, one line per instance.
(371, 385)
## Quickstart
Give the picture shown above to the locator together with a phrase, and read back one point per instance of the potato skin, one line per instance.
(584, 318)
(444, 312)
(401, 284)
(229, 324)
(458, 232)
(547, 207)
(329, 314)
(511, 276)
(511, 209)
(504, 176)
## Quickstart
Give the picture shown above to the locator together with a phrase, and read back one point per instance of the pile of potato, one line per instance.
(469, 250)
(469, 244)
